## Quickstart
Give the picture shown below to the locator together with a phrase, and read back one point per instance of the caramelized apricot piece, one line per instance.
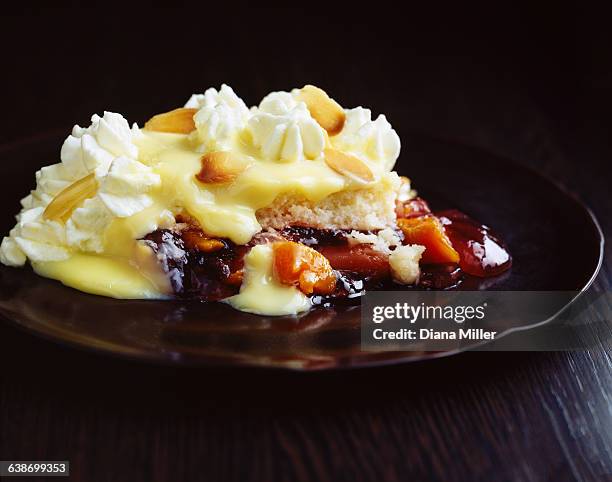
(177, 121)
(301, 266)
(235, 278)
(361, 259)
(429, 232)
(196, 239)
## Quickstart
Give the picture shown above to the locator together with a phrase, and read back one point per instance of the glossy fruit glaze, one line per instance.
(481, 252)
(209, 271)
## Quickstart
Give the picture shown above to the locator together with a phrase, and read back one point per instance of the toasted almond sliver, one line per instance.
(61, 206)
(348, 165)
(325, 110)
(178, 121)
(221, 166)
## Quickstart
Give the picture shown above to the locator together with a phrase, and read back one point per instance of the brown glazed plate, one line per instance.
(540, 222)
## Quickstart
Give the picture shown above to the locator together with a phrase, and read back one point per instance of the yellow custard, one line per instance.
(222, 210)
(228, 210)
(261, 293)
(100, 275)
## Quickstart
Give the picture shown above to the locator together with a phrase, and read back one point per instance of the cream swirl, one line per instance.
(283, 129)
(220, 117)
(374, 140)
(124, 190)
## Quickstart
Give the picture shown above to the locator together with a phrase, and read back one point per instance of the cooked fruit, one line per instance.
(220, 166)
(325, 110)
(301, 266)
(178, 121)
(414, 208)
(196, 239)
(429, 232)
(348, 165)
(235, 278)
(361, 259)
(61, 206)
(481, 251)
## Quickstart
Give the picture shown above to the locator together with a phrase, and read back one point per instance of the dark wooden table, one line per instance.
(479, 416)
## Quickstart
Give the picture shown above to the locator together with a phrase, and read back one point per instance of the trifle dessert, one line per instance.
(273, 209)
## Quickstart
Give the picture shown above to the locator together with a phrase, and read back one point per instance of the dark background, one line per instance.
(534, 86)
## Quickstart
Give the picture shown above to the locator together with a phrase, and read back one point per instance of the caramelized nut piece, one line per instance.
(61, 206)
(178, 121)
(220, 166)
(185, 218)
(325, 110)
(196, 239)
(301, 266)
(348, 165)
(428, 231)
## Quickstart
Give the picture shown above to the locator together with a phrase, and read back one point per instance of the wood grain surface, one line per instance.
(540, 97)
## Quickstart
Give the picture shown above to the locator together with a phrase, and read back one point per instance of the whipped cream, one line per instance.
(283, 129)
(372, 140)
(221, 116)
(124, 189)
(106, 148)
